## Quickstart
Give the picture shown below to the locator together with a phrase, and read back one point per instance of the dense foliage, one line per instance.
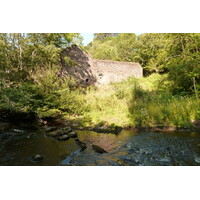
(142, 102)
(175, 54)
(116, 47)
(30, 80)
(21, 53)
(29, 74)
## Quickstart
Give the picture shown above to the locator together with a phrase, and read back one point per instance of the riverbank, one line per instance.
(48, 124)
(145, 103)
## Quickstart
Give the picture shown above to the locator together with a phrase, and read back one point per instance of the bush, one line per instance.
(26, 97)
(47, 94)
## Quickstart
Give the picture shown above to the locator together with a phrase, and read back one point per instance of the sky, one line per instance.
(87, 38)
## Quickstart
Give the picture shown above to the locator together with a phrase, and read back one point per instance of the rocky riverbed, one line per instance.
(50, 146)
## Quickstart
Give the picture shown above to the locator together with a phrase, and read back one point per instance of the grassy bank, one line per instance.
(144, 102)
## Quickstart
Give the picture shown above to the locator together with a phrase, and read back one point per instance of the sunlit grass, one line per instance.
(134, 102)
(141, 102)
(106, 106)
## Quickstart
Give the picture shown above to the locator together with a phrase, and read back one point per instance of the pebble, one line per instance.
(37, 158)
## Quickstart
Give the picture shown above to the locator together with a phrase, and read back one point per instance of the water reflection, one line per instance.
(18, 146)
(19, 150)
(109, 142)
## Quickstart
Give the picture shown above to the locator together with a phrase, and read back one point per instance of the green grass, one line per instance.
(141, 102)
(105, 105)
(158, 111)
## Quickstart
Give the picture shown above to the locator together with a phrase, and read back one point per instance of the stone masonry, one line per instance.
(98, 72)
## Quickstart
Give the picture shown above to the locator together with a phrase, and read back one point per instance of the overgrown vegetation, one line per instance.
(48, 96)
(30, 75)
(142, 102)
(174, 53)
(30, 79)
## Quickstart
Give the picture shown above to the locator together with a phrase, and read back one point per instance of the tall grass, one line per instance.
(107, 104)
(133, 102)
(141, 102)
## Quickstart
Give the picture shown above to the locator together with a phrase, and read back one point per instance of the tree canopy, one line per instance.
(21, 53)
(31, 82)
(176, 54)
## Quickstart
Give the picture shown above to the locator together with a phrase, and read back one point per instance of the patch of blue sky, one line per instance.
(87, 38)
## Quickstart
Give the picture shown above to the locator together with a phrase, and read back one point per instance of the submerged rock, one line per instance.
(61, 134)
(55, 133)
(58, 133)
(107, 129)
(18, 131)
(37, 158)
(63, 137)
(98, 149)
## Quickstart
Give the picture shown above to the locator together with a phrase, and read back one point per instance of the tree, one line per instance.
(118, 47)
(102, 36)
(183, 61)
(20, 53)
(151, 52)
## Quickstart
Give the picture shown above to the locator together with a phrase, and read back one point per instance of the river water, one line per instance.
(19, 146)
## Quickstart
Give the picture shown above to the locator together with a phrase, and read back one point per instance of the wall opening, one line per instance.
(100, 76)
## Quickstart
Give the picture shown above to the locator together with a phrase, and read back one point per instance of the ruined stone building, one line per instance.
(98, 72)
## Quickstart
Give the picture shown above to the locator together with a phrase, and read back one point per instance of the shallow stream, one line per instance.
(19, 146)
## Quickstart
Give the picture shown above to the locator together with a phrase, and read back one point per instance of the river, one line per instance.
(21, 146)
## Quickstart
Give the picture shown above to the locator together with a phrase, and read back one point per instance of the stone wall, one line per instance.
(99, 72)
(82, 70)
(115, 71)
